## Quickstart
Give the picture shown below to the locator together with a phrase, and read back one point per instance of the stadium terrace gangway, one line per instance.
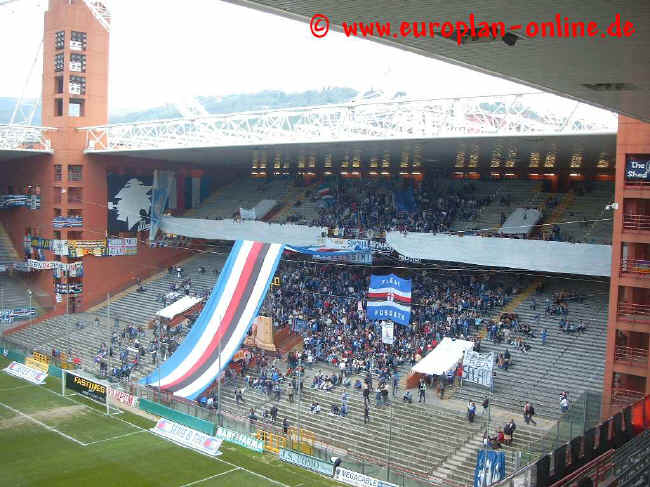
(507, 115)
(25, 138)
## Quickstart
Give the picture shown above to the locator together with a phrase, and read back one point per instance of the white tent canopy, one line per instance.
(443, 358)
(178, 307)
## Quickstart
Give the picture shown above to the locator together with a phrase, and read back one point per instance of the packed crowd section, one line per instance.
(326, 303)
(359, 206)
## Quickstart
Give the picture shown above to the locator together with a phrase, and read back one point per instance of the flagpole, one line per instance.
(219, 382)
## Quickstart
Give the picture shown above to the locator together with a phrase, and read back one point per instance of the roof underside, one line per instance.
(15, 155)
(617, 69)
(441, 152)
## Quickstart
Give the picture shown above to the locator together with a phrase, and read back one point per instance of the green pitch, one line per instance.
(49, 440)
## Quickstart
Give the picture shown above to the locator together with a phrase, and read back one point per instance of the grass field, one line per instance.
(50, 440)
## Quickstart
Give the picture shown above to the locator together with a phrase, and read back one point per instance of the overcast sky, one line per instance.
(167, 49)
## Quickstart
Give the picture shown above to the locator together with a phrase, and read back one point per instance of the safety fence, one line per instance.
(589, 455)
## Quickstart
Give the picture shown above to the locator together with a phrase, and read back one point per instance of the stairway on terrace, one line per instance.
(425, 439)
(302, 214)
(573, 363)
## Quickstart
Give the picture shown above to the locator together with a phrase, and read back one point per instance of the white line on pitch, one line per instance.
(15, 388)
(115, 437)
(54, 430)
(153, 434)
(211, 477)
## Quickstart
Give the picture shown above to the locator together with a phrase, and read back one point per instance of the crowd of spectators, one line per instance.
(326, 304)
(359, 206)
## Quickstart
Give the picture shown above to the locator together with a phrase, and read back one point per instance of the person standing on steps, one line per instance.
(422, 390)
(486, 405)
(529, 412)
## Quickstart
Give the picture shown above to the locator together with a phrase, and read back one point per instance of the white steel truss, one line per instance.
(23, 137)
(101, 12)
(509, 115)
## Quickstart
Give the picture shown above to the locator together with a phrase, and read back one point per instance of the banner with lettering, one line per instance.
(389, 298)
(637, 168)
(308, 462)
(241, 439)
(477, 368)
(93, 390)
(187, 437)
(122, 246)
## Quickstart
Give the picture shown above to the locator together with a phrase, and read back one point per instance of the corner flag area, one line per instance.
(48, 439)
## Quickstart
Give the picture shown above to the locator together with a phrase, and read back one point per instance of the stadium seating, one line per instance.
(520, 194)
(129, 307)
(226, 201)
(590, 206)
(430, 441)
(13, 291)
(573, 363)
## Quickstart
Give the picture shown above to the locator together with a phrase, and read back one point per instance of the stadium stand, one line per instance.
(589, 205)
(571, 362)
(226, 201)
(80, 335)
(13, 291)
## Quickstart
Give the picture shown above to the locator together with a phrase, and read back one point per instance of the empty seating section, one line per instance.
(82, 336)
(587, 207)
(13, 291)
(568, 362)
(226, 201)
(505, 196)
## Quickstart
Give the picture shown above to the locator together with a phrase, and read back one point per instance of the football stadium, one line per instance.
(328, 288)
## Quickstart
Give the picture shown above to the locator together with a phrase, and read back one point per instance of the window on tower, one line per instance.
(78, 41)
(58, 85)
(77, 85)
(59, 63)
(76, 107)
(78, 63)
(59, 40)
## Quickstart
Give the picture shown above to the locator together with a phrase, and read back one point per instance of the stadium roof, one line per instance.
(612, 73)
(435, 152)
(21, 141)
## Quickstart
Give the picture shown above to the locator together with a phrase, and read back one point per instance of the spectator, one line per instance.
(529, 412)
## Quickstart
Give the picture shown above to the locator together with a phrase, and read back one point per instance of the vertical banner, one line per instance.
(387, 336)
(490, 468)
(196, 192)
(160, 195)
(477, 368)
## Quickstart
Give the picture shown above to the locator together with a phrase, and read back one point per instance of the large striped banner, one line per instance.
(223, 323)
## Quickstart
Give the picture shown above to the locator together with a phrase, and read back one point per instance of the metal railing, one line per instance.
(630, 355)
(633, 311)
(622, 397)
(638, 183)
(636, 266)
(640, 223)
(25, 138)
